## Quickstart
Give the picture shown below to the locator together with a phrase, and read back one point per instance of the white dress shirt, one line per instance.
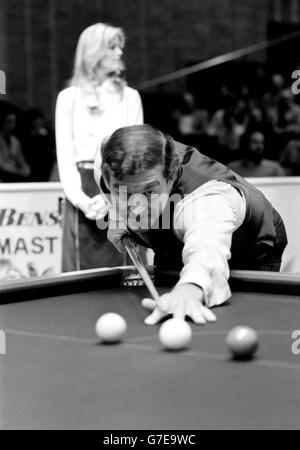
(204, 221)
(80, 128)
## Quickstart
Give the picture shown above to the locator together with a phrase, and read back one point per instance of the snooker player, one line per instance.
(195, 213)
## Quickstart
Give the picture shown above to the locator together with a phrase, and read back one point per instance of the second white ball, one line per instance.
(175, 334)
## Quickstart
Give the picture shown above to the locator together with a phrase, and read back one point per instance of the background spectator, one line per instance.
(253, 163)
(38, 144)
(13, 166)
(290, 158)
(189, 120)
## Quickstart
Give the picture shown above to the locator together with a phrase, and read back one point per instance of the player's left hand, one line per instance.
(184, 300)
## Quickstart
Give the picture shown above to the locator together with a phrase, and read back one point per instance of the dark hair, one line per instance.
(4, 113)
(246, 137)
(136, 149)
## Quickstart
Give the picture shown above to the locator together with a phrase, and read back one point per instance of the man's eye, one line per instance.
(149, 193)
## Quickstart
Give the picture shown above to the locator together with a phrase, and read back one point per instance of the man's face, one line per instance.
(257, 143)
(9, 123)
(112, 60)
(141, 198)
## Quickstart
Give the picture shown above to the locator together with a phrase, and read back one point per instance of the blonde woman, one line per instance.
(96, 103)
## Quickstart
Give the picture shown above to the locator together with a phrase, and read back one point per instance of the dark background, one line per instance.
(38, 39)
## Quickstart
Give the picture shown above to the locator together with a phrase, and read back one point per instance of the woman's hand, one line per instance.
(96, 208)
(184, 300)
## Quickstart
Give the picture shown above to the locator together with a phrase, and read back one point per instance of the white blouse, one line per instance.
(80, 127)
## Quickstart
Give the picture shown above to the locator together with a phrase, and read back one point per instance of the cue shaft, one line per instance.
(137, 261)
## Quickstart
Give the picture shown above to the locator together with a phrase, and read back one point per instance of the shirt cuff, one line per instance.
(212, 297)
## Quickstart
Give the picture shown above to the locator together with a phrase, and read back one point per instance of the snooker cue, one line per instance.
(137, 261)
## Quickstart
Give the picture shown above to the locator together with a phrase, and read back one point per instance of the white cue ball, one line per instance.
(111, 327)
(175, 334)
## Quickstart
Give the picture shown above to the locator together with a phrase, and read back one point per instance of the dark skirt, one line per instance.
(84, 245)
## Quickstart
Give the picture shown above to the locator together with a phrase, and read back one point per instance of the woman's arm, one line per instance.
(135, 110)
(65, 148)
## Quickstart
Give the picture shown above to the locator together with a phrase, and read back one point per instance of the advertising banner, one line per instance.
(30, 229)
(284, 194)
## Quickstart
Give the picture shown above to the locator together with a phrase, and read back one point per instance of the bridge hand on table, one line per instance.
(184, 300)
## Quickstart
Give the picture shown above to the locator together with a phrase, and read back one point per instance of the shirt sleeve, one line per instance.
(68, 173)
(205, 220)
(136, 113)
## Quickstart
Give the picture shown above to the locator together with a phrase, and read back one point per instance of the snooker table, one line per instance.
(56, 375)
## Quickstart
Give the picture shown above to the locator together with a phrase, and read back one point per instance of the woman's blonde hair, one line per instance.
(91, 49)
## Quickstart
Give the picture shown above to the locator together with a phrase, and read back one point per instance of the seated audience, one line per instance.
(13, 166)
(290, 158)
(252, 162)
(38, 145)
